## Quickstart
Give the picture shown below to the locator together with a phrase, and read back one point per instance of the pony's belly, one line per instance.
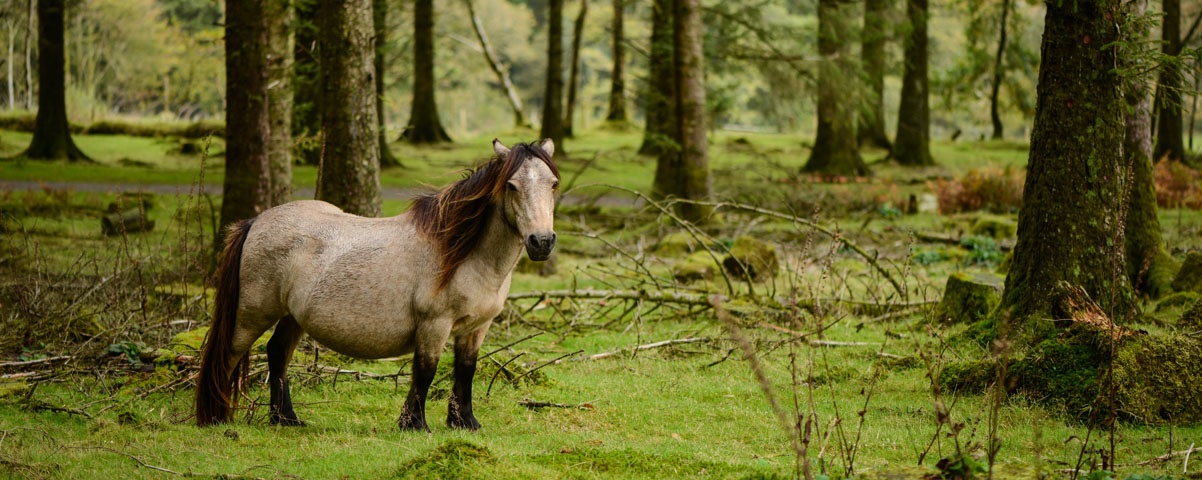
(360, 341)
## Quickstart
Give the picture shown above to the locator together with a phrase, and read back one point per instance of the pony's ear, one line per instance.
(500, 148)
(548, 146)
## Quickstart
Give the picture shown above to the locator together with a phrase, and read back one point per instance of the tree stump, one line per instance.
(751, 258)
(128, 221)
(968, 298)
(1189, 278)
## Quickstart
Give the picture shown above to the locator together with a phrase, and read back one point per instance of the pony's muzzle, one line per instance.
(539, 245)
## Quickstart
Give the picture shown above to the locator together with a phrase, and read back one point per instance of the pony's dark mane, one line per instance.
(455, 217)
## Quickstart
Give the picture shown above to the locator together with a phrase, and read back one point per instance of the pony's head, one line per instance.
(526, 190)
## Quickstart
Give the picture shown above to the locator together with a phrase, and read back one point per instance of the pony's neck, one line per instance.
(499, 249)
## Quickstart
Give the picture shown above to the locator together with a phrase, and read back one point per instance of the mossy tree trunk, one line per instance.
(552, 126)
(279, 19)
(306, 82)
(872, 47)
(690, 162)
(247, 188)
(998, 72)
(1071, 226)
(574, 75)
(349, 174)
(912, 146)
(657, 101)
(51, 132)
(1168, 90)
(617, 84)
(836, 151)
(424, 124)
(380, 25)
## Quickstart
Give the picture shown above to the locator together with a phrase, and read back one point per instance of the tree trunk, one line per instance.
(278, 15)
(380, 26)
(835, 149)
(12, 39)
(617, 91)
(29, 14)
(691, 161)
(247, 187)
(1169, 143)
(553, 93)
(1146, 257)
(912, 146)
(872, 118)
(306, 83)
(658, 103)
(502, 73)
(349, 175)
(1071, 226)
(998, 73)
(52, 134)
(424, 125)
(573, 77)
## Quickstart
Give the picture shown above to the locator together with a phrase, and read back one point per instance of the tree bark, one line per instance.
(424, 125)
(553, 127)
(29, 15)
(279, 18)
(912, 147)
(871, 129)
(380, 26)
(52, 134)
(1071, 226)
(835, 151)
(1169, 143)
(502, 72)
(658, 104)
(573, 76)
(349, 174)
(247, 186)
(998, 73)
(617, 91)
(306, 83)
(691, 161)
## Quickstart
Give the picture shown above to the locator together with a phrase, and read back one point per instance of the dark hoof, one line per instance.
(409, 423)
(468, 423)
(287, 421)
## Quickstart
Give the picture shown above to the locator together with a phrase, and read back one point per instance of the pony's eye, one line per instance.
(555, 186)
(511, 187)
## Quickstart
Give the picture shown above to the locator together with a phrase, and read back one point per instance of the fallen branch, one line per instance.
(648, 346)
(38, 406)
(1169, 456)
(535, 405)
(1004, 245)
(355, 373)
(830, 343)
(39, 361)
(659, 297)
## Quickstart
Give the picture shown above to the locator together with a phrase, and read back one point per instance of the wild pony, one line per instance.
(379, 287)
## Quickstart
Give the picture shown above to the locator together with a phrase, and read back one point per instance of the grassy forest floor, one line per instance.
(99, 333)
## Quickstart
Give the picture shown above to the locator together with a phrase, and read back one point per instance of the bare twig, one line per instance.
(27, 363)
(660, 297)
(535, 405)
(649, 346)
(535, 369)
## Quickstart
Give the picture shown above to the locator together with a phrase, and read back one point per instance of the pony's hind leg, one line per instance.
(459, 411)
(279, 353)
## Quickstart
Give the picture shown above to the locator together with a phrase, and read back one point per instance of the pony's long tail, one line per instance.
(219, 383)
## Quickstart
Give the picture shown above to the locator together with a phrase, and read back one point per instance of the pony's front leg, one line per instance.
(430, 339)
(459, 411)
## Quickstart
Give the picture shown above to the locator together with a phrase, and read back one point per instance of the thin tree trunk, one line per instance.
(29, 56)
(692, 158)
(306, 85)
(835, 151)
(349, 174)
(573, 76)
(1169, 143)
(380, 25)
(247, 187)
(872, 118)
(658, 103)
(912, 146)
(553, 127)
(1079, 241)
(502, 73)
(279, 18)
(12, 38)
(424, 124)
(52, 134)
(1193, 109)
(998, 73)
(617, 91)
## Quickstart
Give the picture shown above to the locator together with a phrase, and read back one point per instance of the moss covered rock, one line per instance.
(189, 342)
(1189, 277)
(1191, 320)
(752, 257)
(698, 266)
(1159, 379)
(969, 298)
(995, 226)
(1176, 300)
(1158, 281)
(676, 245)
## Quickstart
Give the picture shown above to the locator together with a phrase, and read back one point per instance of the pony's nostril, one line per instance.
(533, 240)
(552, 237)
